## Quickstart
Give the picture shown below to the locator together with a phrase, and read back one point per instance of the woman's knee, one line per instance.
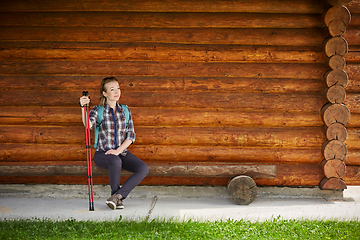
(145, 169)
(115, 162)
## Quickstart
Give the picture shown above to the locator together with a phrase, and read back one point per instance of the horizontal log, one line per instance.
(353, 86)
(233, 154)
(251, 36)
(353, 71)
(161, 19)
(195, 136)
(352, 37)
(155, 169)
(158, 84)
(354, 6)
(158, 52)
(352, 102)
(70, 116)
(354, 120)
(165, 69)
(301, 175)
(311, 102)
(355, 20)
(19, 152)
(280, 137)
(270, 6)
(353, 138)
(338, 2)
(352, 57)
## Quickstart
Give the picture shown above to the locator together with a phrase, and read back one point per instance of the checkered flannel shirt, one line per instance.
(110, 123)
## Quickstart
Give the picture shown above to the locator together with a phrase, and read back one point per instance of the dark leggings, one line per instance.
(114, 164)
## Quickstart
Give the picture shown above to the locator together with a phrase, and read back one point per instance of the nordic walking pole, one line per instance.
(88, 154)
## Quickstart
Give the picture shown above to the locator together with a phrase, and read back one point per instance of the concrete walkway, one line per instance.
(61, 202)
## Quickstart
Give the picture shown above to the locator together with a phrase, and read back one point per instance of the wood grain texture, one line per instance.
(302, 175)
(336, 94)
(161, 84)
(312, 102)
(242, 190)
(155, 169)
(251, 36)
(270, 6)
(68, 116)
(165, 69)
(354, 6)
(159, 52)
(333, 168)
(161, 19)
(14, 152)
(337, 13)
(208, 136)
(332, 184)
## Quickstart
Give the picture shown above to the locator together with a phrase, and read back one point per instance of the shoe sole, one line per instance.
(120, 207)
(111, 205)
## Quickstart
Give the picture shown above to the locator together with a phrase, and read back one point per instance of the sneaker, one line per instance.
(120, 205)
(113, 201)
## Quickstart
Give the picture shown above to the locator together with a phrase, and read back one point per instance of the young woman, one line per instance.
(114, 139)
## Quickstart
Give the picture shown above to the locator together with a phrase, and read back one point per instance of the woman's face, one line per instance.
(112, 92)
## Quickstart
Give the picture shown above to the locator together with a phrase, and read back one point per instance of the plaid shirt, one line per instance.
(112, 130)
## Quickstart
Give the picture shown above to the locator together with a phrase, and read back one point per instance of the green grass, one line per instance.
(167, 229)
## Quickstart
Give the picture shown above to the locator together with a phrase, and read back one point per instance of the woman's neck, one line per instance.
(112, 104)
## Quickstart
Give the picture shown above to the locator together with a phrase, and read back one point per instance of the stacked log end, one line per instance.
(335, 114)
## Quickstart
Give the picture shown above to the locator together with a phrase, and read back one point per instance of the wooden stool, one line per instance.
(242, 189)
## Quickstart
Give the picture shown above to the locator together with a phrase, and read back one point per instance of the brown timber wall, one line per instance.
(216, 88)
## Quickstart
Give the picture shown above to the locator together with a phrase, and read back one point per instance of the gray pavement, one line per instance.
(61, 202)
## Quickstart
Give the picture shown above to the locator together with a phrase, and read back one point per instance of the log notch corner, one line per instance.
(335, 114)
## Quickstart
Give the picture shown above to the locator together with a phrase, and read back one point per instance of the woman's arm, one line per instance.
(83, 101)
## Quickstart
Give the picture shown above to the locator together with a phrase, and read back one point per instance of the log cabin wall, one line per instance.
(216, 88)
(352, 101)
(335, 113)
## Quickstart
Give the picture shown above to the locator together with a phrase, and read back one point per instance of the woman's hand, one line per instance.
(113, 151)
(84, 100)
(120, 149)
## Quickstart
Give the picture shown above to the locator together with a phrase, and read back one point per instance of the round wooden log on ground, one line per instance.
(333, 168)
(338, 2)
(242, 190)
(337, 62)
(336, 77)
(335, 113)
(337, 13)
(332, 184)
(336, 45)
(336, 94)
(336, 131)
(334, 149)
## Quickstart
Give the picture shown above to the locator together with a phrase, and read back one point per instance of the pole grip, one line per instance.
(86, 93)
